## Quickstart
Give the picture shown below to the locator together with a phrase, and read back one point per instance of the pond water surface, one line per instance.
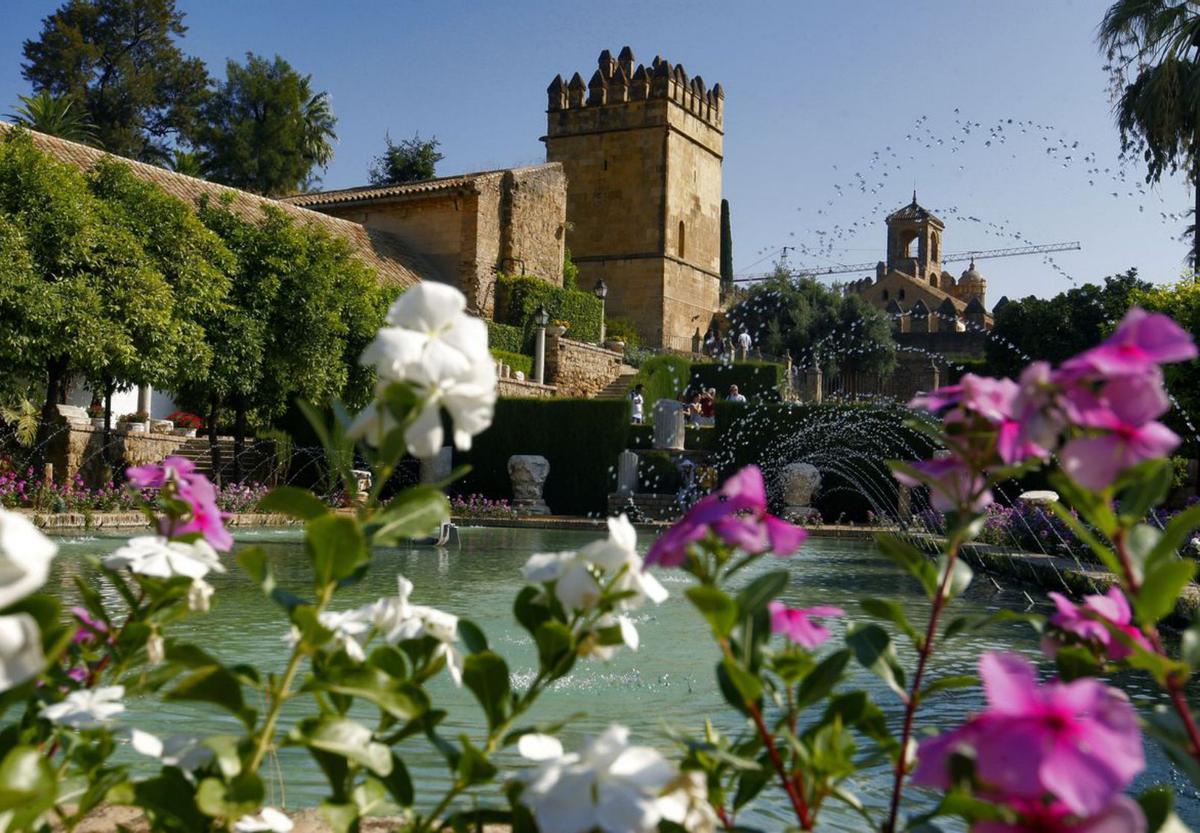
(668, 682)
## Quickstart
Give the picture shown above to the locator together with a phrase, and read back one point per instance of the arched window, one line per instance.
(885, 294)
(901, 294)
(934, 256)
(682, 242)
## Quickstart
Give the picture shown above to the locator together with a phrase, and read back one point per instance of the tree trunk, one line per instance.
(56, 374)
(239, 439)
(109, 454)
(214, 450)
(1196, 220)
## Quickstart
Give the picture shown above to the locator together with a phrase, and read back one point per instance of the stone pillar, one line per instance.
(800, 481)
(145, 395)
(437, 468)
(362, 485)
(627, 473)
(528, 473)
(668, 424)
(904, 505)
(814, 382)
(539, 356)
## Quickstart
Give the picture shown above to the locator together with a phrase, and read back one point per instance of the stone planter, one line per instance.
(615, 345)
(557, 330)
(162, 426)
(185, 432)
(137, 427)
(98, 423)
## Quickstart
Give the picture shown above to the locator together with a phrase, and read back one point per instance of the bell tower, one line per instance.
(642, 148)
(914, 244)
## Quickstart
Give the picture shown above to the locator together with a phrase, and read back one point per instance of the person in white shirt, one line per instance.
(734, 396)
(638, 397)
(744, 344)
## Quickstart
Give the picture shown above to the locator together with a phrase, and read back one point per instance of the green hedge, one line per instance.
(664, 376)
(517, 361)
(505, 337)
(580, 437)
(517, 298)
(755, 380)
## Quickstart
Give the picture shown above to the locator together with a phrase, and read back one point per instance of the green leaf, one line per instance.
(217, 685)
(874, 651)
(244, 794)
(716, 606)
(254, 561)
(473, 765)
(294, 502)
(415, 512)
(821, 680)
(754, 597)
(960, 578)
(555, 643)
(472, 636)
(398, 782)
(344, 738)
(336, 546)
(911, 560)
(399, 698)
(1143, 487)
(750, 784)
(1076, 661)
(27, 784)
(748, 686)
(947, 683)
(1175, 533)
(1094, 508)
(529, 609)
(1158, 805)
(1102, 551)
(889, 611)
(342, 817)
(1161, 588)
(486, 674)
(1190, 644)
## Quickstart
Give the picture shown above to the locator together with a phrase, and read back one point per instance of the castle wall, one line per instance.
(431, 226)
(691, 296)
(536, 223)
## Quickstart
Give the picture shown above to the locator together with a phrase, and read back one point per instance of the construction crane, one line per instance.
(979, 254)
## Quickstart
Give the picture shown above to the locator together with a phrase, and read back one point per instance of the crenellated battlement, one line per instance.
(617, 81)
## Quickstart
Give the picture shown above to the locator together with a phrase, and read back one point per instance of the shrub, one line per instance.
(580, 437)
(755, 380)
(664, 376)
(504, 337)
(658, 474)
(517, 361)
(622, 329)
(517, 298)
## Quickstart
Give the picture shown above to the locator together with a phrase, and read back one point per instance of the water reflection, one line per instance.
(669, 682)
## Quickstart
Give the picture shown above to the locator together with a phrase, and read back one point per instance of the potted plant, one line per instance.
(186, 424)
(559, 327)
(96, 412)
(138, 423)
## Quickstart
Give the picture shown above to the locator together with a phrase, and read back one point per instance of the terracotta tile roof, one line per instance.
(364, 193)
(383, 251)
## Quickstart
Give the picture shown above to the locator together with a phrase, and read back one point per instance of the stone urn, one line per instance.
(800, 483)
(528, 473)
(137, 427)
(557, 330)
(1039, 497)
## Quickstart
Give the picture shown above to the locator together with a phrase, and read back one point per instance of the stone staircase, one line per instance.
(198, 451)
(619, 387)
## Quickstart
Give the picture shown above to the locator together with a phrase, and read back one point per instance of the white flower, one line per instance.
(611, 785)
(442, 352)
(349, 630)
(199, 596)
(575, 586)
(25, 556)
(86, 708)
(21, 654)
(184, 752)
(687, 804)
(155, 556)
(269, 820)
(156, 649)
(629, 637)
(398, 620)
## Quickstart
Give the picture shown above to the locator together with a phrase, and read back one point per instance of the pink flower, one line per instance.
(796, 622)
(90, 629)
(991, 399)
(951, 484)
(1087, 621)
(1123, 815)
(1077, 741)
(194, 489)
(1095, 462)
(154, 475)
(1141, 340)
(737, 514)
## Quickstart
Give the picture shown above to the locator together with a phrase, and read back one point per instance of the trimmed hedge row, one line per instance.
(580, 437)
(517, 298)
(505, 337)
(517, 361)
(666, 375)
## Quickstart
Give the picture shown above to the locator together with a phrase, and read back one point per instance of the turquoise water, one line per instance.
(669, 682)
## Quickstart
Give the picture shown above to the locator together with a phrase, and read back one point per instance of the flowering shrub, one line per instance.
(241, 497)
(27, 490)
(1055, 755)
(184, 419)
(480, 506)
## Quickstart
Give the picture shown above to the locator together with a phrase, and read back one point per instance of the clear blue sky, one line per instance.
(813, 92)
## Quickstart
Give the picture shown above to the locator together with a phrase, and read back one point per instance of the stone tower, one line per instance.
(915, 225)
(642, 149)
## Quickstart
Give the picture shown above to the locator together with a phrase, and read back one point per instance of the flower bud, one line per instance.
(156, 650)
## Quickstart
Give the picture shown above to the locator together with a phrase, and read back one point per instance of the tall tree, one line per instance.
(726, 248)
(121, 61)
(55, 116)
(1153, 49)
(92, 298)
(816, 324)
(408, 160)
(265, 129)
(1181, 301)
(1054, 329)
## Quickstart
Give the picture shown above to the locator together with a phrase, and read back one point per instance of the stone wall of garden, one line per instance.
(523, 389)
(579, 369)
(80, 449)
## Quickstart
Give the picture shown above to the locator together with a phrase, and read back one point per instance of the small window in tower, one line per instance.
(901, 294)
(682, 240)
(885, 294)
(606, 164)
(935, 247)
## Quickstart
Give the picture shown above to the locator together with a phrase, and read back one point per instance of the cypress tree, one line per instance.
(726, 247)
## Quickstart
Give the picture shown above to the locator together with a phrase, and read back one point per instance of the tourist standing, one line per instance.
(637, 396)
(744, 343)
(735, 395)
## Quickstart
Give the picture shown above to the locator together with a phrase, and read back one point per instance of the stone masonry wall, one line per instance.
(579, 369)
(79, 449)
(536, 222)
(517, 389)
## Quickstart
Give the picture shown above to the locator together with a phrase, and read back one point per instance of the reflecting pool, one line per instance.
(669, 682)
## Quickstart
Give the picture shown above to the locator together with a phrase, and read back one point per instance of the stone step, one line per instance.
(619, 387)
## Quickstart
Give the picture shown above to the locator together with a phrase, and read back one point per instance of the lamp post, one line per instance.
(541, 318)
(601, 290)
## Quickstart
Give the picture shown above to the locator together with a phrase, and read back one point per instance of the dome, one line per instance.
(971, 277)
